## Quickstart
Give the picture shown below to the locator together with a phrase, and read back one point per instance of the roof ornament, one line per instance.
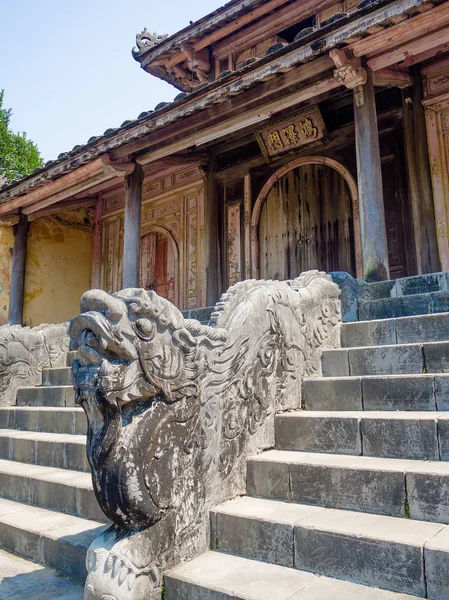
(146, 40)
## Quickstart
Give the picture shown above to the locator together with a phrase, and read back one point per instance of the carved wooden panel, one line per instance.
(111, 254)
(247, 205)
(172, 239)
(155, 187)
(234, 253)
(191, 267)
(436, 101)
(148, 261)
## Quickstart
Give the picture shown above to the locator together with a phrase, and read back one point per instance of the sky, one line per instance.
(67, 69)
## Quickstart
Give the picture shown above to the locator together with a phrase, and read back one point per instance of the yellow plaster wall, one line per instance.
(58, 268)
(6, 248)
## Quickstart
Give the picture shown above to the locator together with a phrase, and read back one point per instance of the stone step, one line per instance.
(387, 392)
(400, 555)
(57, 376)
(405, 330)
(203, 315)
(405, 306)
(62, 490)
(410, 435)
(388, 486)
(219, 576)
(50, 538)
(432, 357)
(21, 578)
(62, 450)
(60, 395)
(406, 286)
(43, 418)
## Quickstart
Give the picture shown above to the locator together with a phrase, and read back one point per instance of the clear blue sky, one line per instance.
(67, 69)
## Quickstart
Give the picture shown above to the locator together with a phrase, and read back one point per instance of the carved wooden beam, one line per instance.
(61, 206)
(392, 78)
(422, 56)
(349, 71)
(403, 32)
(411, 48)
(101, 169)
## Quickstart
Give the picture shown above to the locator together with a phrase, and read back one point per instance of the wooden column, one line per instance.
(15, 315)
(96, 245)
(211, 260)
(372, 217)
(133, 214)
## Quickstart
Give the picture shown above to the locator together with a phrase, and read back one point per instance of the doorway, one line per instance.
(307, 220)
(158, 265)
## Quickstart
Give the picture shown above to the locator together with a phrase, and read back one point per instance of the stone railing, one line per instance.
(175, 407)
(25, 352)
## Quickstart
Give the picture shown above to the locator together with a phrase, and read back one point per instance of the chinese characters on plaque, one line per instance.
(291, 132)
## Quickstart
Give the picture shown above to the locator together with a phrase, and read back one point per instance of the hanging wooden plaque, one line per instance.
(291, 132)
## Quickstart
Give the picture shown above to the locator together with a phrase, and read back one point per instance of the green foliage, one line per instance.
(18, 155)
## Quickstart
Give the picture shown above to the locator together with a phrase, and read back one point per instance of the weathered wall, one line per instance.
(58, 269)
(6, 248)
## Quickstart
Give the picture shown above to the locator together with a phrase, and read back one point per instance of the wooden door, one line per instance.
(306, 223)
(158, 265)
(398, 219)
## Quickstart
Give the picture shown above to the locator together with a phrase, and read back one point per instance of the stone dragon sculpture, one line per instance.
(25, 352)
(174, 407)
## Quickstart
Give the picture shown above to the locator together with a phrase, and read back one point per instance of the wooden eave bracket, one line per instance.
(118, 168)
(392, 78)
(349, 71)
(9, 220)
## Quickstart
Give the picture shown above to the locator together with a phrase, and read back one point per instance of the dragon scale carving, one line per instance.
(175, 407)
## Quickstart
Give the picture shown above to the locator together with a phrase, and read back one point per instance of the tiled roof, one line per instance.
(229, 84)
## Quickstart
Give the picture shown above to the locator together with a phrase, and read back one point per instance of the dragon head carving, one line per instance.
(136, 354)
(136, 345)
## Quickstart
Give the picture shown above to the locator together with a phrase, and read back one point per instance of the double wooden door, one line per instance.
(306, 223)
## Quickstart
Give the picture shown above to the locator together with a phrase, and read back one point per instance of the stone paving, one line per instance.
(20, 579)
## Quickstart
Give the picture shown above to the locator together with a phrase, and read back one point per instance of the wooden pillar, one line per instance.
(15, 315)
(211, 258)
(419, 178)
(133, 214)
(372, 217)
(96, 245)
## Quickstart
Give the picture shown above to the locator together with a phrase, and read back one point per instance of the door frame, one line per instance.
(294, 164)
(172, 241)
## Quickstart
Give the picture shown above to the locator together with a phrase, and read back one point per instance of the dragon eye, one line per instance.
(144, 328)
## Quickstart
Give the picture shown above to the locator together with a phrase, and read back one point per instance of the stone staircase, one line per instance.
(48, 511)
(353, 501)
